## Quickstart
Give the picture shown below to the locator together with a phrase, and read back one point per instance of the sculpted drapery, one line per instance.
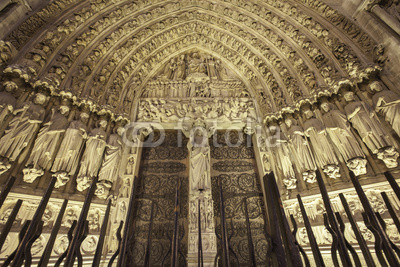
(365, 121)
(46, 144)
(21, 130)
(67, 157)
(92, 156)
(110, 166)
(300, 148)
(339, 131)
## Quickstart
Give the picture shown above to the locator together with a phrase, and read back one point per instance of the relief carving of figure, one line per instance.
(301, 151)
(324, 155)
(45, 145)
(339, 131)
(364, 120)
(92, 156)
(21, 130)
(199, 161)
(110, 166)
(67, 157)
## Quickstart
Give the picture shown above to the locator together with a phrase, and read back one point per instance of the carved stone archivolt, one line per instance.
(282, 51)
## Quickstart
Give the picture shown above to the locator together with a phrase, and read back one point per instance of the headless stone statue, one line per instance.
(45, 145)
(324, 155)
(21, 130)
(387, 103)
(281, 153)
(67, 157)
(92, 156)
(301, 151)
(110, 166)
(368, 126)
(339, 131)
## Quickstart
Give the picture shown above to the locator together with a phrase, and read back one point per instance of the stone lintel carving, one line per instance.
(220, 110)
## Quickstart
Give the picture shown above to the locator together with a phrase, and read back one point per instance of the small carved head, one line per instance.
(375, 86)
(308, 113)
(64, 110)
(103, 124)
(84, 117)
(120, 131)
(325, 106)
(289, 121)
(40, 99)
(10, 86)
(348, 96)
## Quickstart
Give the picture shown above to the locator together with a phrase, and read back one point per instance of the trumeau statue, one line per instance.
(324, 155)
(364, 120)
(45, 145)
(301, 151)
(66, 160)
(111, 163)
(7, 101)
(199, 161)
(387, 103)
(92, 156)
(339, 131)
(21, 130)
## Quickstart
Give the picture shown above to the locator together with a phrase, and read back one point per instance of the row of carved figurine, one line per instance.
(59, 145)
(322, 143)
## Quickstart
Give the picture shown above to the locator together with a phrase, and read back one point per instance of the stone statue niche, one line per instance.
(324, 154)
(66, 160)
(92, 156)
(22, 128)
(46, 143)
(109, 171)
(365, 121)
(339, 131)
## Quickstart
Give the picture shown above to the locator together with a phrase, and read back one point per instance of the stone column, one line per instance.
(200, 196)
(374, 7)
(129, 169)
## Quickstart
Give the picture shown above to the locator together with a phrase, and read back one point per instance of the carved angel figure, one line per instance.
(45, 145)
(21, 130)
(92, 156)
(301, 151)
(67, 157)
(111, 162)
(339, 131)
(324, 154)
(368, 126)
